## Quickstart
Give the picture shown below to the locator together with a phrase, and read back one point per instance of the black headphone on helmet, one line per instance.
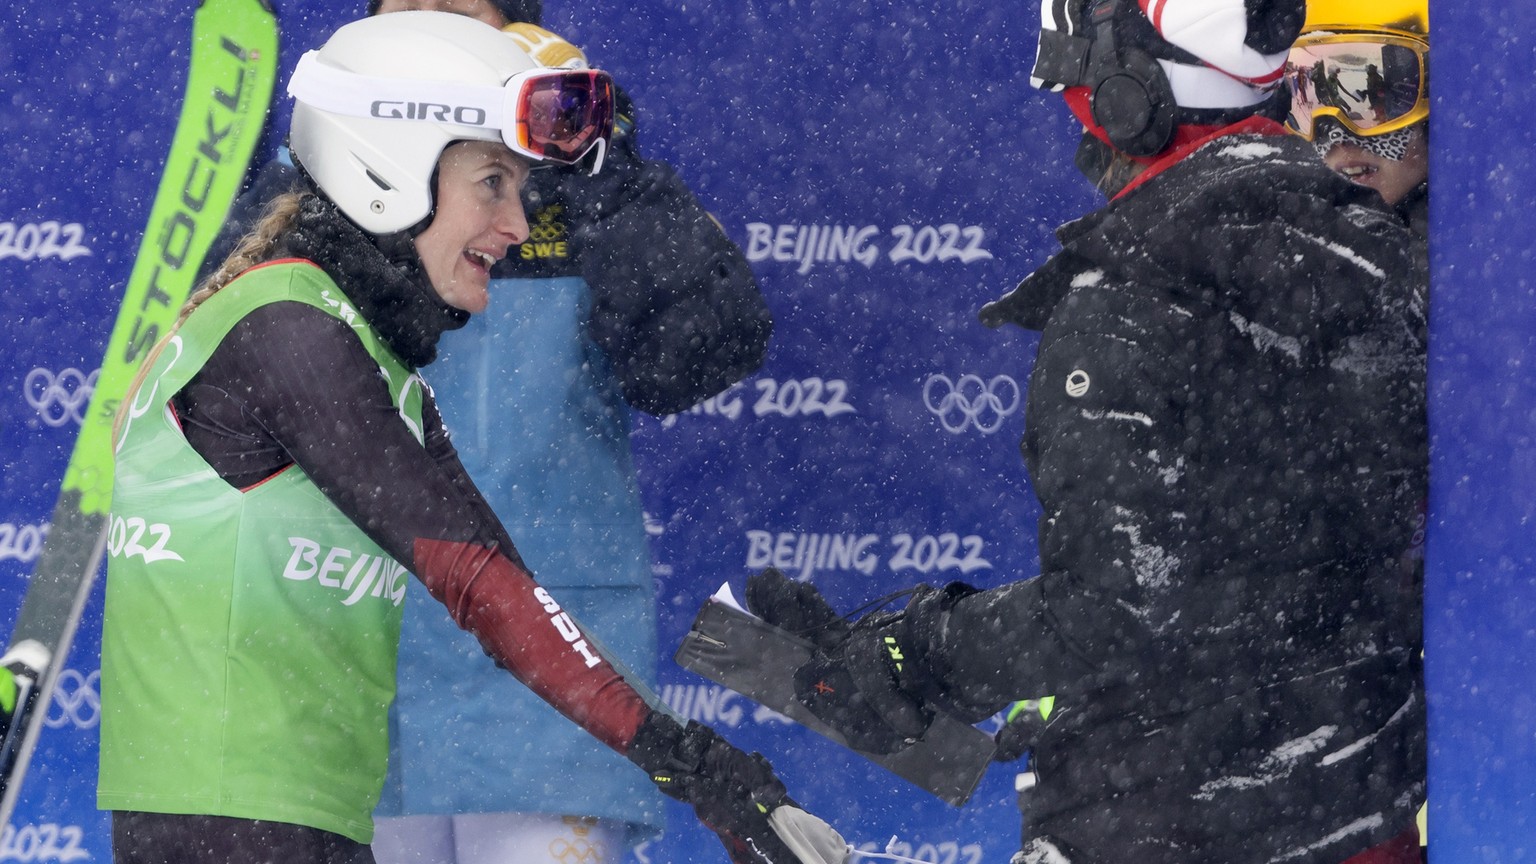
(1128, 93)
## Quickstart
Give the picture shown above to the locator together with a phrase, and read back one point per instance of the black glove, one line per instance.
(1025, 722)
(735, 794)
(864, 679)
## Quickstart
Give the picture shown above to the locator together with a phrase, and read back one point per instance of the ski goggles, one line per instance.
(1370, 83)
(563, 116)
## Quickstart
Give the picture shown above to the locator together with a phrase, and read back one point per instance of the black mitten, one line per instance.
(796, 607)
(675, 307)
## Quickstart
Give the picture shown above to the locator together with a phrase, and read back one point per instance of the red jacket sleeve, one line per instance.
(522, 626)
(291, 385)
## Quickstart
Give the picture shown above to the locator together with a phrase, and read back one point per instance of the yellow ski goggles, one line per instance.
(1370, 83)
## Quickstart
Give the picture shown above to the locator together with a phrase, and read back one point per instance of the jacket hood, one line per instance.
(1170, 230)
(382, 276)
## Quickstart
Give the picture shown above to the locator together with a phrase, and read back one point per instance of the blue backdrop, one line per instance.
(887, 169)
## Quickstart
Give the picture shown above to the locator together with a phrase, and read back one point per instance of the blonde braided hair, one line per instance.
(277, 218)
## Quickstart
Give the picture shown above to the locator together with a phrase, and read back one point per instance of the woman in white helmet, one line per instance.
(282, 470)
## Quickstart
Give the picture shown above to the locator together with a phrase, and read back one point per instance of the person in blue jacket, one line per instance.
(626, 295)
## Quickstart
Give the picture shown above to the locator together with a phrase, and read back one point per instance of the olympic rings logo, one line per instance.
(62, 398)
(76, 701)
(546, 232)
(971, 402)
(577, 851)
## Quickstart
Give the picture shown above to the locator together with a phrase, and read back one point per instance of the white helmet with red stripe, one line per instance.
(1149, 65)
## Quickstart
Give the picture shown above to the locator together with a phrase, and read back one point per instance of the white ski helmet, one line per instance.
(375, 107)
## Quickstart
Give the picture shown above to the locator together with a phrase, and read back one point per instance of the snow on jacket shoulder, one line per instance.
(1229, 389)
(1226, 431)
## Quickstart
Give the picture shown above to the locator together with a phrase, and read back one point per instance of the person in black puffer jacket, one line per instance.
(1226, 431)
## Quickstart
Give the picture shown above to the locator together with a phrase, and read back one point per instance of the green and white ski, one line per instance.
(229, 88)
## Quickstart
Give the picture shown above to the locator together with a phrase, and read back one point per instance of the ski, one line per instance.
(232, 69)
(736, 649)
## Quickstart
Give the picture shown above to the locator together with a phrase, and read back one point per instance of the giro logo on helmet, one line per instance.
(462, 115)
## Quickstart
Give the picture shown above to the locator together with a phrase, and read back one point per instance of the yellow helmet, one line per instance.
(1404, 16)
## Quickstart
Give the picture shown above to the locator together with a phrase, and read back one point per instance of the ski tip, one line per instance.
(30, 653)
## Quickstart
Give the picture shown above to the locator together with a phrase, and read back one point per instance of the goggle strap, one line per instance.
(339, 91)
(1208, 87)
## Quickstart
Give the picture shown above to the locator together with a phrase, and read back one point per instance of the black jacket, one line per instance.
(1226, 430)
